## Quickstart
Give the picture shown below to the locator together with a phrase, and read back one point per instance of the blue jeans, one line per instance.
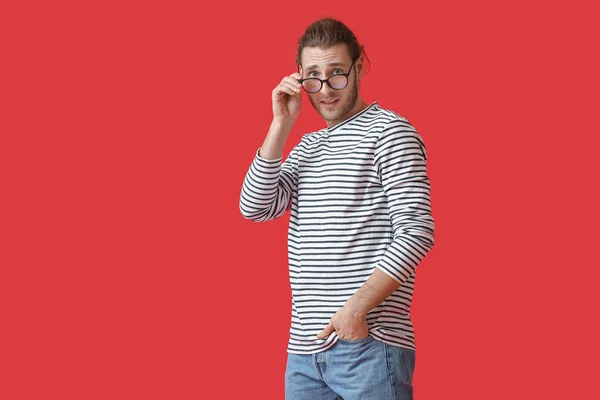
(361, 369)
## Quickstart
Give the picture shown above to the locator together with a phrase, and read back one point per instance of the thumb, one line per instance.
(326, 332)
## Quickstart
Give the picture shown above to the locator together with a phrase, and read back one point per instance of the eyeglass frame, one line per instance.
(327, 80)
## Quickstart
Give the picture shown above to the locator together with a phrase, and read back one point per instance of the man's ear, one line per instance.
(360, 67)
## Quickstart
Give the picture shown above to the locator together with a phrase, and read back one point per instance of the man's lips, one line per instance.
(329, 101)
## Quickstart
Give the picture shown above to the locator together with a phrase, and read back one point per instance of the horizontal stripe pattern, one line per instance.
(359, 199)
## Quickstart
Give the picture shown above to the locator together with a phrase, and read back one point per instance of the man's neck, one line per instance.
(360, 106)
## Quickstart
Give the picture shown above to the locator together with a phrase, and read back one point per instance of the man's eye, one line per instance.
(337, 71)
(312, 74)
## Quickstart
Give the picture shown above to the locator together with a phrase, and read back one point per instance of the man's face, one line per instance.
(334, 106)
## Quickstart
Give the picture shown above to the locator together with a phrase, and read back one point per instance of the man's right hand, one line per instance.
(287, 99)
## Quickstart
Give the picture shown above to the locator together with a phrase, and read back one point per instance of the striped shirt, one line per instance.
(359, 199)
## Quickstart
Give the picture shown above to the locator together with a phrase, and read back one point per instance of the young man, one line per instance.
(360, 224)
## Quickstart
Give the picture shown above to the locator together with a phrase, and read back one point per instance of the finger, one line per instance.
(292, 78)
(280, 90)
(295, 86)
(292, 81)
(326, 332)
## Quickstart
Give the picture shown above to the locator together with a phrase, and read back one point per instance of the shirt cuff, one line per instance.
(264, 160)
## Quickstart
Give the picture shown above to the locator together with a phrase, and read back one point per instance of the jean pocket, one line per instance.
(355, 341)
(406, 363)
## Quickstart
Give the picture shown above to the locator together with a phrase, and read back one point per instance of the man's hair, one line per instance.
(327, 32)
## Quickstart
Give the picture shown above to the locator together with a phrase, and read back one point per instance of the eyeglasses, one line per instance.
(337, 82)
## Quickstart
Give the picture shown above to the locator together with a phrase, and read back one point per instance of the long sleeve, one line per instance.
(400, 160)
(268, 188)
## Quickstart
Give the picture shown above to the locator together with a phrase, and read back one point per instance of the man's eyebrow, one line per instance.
(332, 64)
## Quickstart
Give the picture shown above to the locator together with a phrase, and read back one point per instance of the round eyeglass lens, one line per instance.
(338, 81)
(312, 85)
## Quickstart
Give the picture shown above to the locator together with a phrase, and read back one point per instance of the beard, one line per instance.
(343, 110)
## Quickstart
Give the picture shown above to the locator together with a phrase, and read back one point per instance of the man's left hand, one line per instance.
(349, 325)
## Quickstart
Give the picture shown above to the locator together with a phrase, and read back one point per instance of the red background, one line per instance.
(127, 127)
